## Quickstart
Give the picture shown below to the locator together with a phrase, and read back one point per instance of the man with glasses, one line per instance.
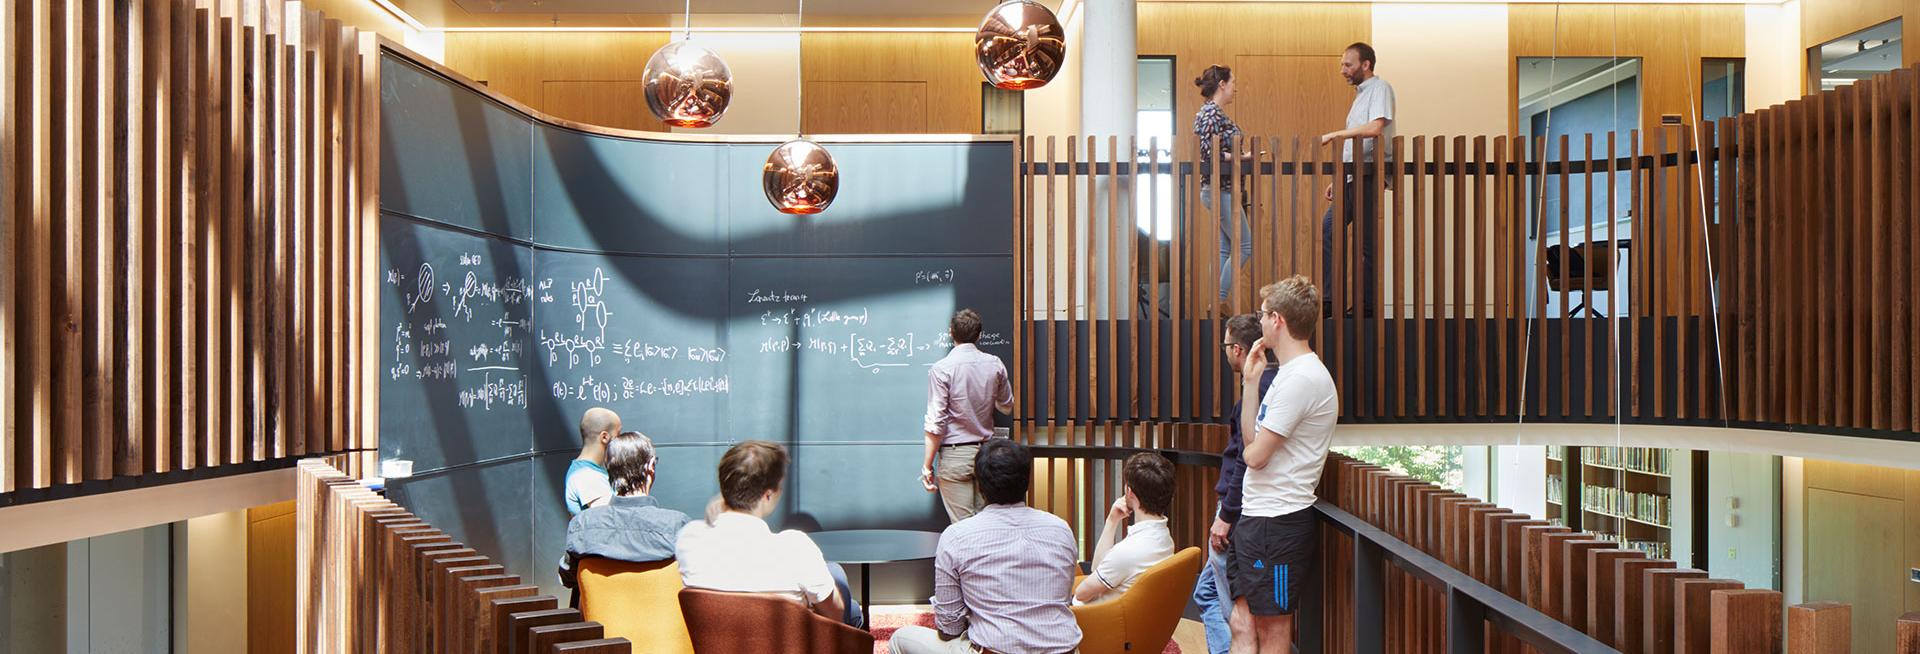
(1211, 593)
(1288, 430)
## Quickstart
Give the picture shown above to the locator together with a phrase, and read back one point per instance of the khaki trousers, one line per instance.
(953, 472)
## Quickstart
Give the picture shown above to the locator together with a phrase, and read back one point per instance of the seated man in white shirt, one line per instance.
(735, 550)
(1148, 495)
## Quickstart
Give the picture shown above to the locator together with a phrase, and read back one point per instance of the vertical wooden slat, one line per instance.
(1053, 307)
(98, 260)
(336, 233)
(1023, 327)
(1149, 401)
(1457, 294)
(1562, 341)
(1861, 219)
(1584, 355)
(299, 185)
(231, 285)
(1706, 360)
(1877, 143)
(12, 105)
(279, 209)
(1610, 268)
(1316, 270)
(33, 446)
(1069, 319)
(1834, 212)
(1820, 628)
(69, 309)
(1337, 286)
(1746, 620)
(1187, 205)
(1376, 275)
(1114, 182)
(1395, 287)
(1481, 259)
(1419, 296)
(1658, 272)
(1682, 231)
(1900, 132)
(1538, 276)
(1502, 269)
(128, 168)
(1090, 290)
(255, 245)
(1635, 306)
(206, 221)
(1910, 83)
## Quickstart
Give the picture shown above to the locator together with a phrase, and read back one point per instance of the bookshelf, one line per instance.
(1619, 493)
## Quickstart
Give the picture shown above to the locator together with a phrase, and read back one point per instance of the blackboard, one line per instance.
(456, 320)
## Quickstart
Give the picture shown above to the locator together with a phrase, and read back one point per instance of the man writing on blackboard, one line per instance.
(963, 390)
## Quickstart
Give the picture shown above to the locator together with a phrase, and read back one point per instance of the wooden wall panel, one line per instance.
(151, 156)
(1825, 20)
(941, 64)
(861, 107)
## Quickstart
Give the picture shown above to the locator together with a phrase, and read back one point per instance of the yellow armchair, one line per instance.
(1143, 618)
(636, 601)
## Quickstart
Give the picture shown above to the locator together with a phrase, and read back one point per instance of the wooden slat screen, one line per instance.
(372, 577)
(189, 196)
(1770, 241)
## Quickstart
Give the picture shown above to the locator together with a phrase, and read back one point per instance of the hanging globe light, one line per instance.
(687, 85)
(800, 177)
(1020, 45)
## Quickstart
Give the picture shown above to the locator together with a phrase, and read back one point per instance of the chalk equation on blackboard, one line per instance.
(814, 316)
(757, 296)
(491, 391)
(933, 276)
(627, 388)
(590, 311)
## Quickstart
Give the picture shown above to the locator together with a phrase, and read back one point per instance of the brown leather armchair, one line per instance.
(755, 623)
(1143, 618)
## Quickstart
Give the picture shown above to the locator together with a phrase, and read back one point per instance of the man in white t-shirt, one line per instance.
(735, 551)
(1288, 432)
(1147, 496)
(586, 482)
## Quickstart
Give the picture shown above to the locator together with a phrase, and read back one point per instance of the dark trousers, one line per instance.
(1361, 220)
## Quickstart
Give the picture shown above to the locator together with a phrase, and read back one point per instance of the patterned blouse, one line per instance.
(1212, 126)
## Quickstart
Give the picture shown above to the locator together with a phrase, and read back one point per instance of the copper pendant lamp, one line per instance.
(800, 176)
(1020, 45)
(687, 85)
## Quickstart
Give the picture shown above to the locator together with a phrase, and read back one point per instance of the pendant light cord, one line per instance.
(800, 78)
(687, 23)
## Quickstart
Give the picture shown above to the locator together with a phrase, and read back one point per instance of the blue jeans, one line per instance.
(1227, 220)
(850, 614)
(1211, 593)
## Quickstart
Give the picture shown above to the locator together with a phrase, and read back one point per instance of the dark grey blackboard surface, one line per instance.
(652, 278)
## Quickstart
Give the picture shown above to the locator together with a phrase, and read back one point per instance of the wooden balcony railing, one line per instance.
(1758, 272)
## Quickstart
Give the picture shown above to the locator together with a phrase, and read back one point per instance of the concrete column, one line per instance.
(1109, 52)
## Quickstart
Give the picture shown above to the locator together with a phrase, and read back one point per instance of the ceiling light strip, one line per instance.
(720, 30)
(401, 14)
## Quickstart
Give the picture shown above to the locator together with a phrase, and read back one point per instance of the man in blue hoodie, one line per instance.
(1210, 592)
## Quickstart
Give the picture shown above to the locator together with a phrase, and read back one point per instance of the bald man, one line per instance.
(587, 484)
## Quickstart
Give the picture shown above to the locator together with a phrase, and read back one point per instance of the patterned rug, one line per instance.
(884, 624)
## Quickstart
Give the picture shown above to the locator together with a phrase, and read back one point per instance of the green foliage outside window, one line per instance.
(1439, 464)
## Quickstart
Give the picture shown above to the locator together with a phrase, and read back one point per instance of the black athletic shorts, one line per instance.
(1271, 559)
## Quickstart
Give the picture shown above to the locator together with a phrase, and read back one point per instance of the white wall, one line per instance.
(1521, 473)
(1773, 54)
(210, 568)
(1748, 549)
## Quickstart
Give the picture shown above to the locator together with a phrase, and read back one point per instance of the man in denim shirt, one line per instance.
(1210, 592)
(632, 526)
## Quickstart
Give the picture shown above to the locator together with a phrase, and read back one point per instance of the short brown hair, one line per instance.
(748, 470)
(1244, 329)
(1297, 301)
(1365, 53)
(966, 326)
(1150, 477)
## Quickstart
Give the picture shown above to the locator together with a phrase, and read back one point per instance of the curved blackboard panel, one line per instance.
(643, 336)
(456, 320)
(452, 155)
(620, 195)
(483, 506)
(830, 350)
(924, 198)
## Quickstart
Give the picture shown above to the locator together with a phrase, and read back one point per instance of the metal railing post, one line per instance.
(1369, 595)
(1466, 620)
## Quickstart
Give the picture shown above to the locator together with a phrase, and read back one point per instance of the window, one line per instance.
(1574, 97)
(1723, 88)
(1154, 125)
(1854, 57)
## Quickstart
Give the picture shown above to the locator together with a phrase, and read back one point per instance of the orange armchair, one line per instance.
(636, 601)
(756, 623)
(1143, 618)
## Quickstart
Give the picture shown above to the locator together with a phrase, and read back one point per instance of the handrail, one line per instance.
(1468, 601)
(1408, 168)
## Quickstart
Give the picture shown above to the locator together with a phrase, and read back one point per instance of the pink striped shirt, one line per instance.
(1004, 577)
(963, 390)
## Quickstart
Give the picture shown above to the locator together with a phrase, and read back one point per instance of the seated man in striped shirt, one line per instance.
(1001, 579)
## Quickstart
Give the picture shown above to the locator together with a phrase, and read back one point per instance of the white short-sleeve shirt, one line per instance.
(739, 553)
(1302, 405)
(1373, 101)
(1146, 545)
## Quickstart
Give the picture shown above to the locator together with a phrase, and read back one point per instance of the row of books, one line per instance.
(1654, 549)
(1655, 460)
(1646, 507)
